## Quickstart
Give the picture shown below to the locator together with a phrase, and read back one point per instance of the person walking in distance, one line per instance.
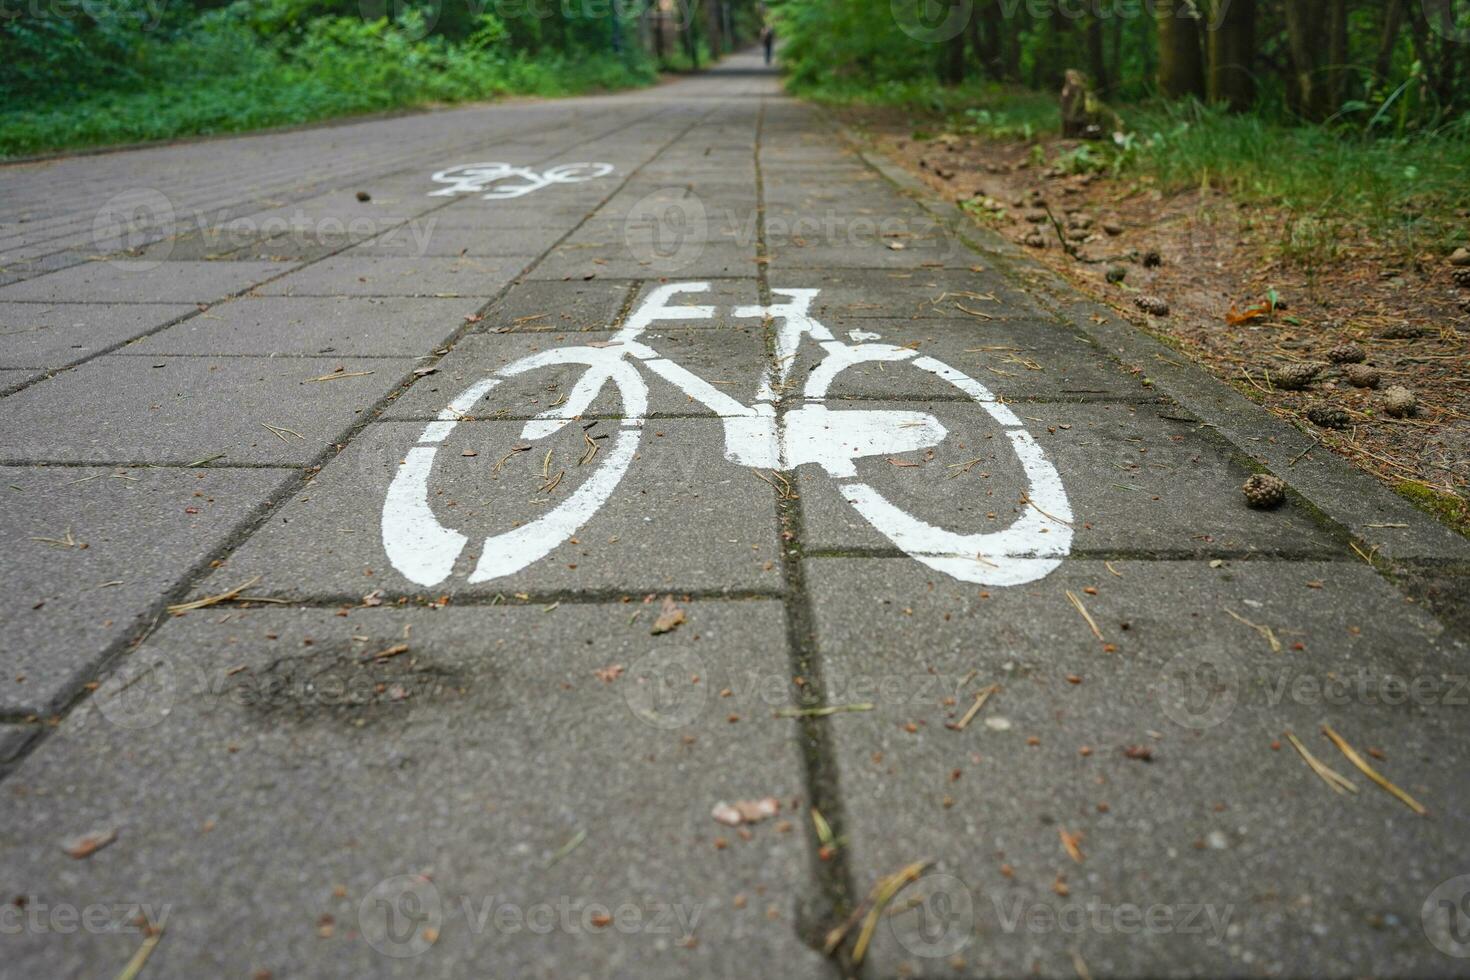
(768, 38)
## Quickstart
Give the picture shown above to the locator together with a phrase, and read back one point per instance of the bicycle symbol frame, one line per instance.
(472, 178)
(425, 551)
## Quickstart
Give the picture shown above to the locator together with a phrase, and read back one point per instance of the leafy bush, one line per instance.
(251, 65)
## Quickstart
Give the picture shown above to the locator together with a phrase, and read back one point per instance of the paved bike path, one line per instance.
(364, 773)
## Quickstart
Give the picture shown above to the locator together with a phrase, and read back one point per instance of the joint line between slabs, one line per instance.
(833, 877)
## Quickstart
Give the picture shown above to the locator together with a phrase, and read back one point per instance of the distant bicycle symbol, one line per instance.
(473, 178)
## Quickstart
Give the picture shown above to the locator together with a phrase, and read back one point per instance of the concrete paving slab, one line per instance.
(37, 335)
(359, 326)
(682, 518)
(368, 275)
(731, 360)
(918, 294)
(443, 786)
(557, 306)
(469, 212)
(1223, 853)
(720, 225)
(108, 282)
(1136, 482)
(689, 259)
(14, 377)
(14, 737)
(91, 552)
(179, 410)
(428, 238)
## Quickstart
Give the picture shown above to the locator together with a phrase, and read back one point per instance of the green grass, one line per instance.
(223, 80)
(1406, 191)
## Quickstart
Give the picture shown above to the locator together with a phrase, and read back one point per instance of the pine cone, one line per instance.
(1348, 353)
(1328, 417)
(1152, 259)
(1402, 331)
(1295, 377)
(1264, 491)
(1462, 278)
(1361, 375)
(1399, 402)
(1152, 305)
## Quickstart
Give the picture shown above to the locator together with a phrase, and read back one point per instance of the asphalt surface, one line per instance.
(219, 359)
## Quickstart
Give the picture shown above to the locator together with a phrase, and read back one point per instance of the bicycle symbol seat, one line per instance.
(472, 178)
(425, 551)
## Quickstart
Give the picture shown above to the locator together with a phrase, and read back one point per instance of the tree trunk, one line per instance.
(1181, 69)
(1337, 53)
(952, 69)
(1393, 19)
(1305, 23)
(1231, 37)
(1097, 62)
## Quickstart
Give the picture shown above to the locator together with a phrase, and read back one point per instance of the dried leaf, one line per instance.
(88, 844)
(670, 617)
(746, 811)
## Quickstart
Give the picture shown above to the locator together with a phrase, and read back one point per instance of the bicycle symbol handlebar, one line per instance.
(425, 551)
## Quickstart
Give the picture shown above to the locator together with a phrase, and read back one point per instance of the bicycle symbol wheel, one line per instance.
(1029, 549)
(425, 551)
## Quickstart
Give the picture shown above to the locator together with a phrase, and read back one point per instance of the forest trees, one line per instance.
(1304, 60)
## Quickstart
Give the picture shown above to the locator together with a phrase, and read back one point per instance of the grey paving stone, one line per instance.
(1013, 359)
(469, 212)
(447, 773)
(731, 360)
(40, 336)
(14, 737)
(1248, 860)
(426, 237)
(539, 306)
(338, 212)
(315, 325)
(14, 377)
(367, 275)
(180, 410)
(682, 517)
(721, 224)
(689, 259)
(1136, 482)
(90, 551)
(918, 294)
(143, 282)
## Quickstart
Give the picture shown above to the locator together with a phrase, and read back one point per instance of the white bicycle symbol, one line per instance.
(425, 551)
(472, 178)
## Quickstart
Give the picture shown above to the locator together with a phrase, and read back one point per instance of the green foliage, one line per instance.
(276, 62)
